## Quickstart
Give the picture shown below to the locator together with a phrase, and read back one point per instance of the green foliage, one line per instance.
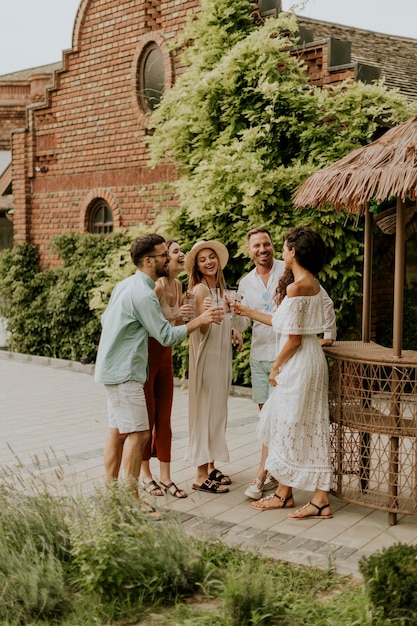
(219, 26)
(68, 561)
(409, 338)
(245, 129)
(180, 359)
(33, 557)
(48, 312)
(24, 298)
(118, 554)
(240, 363)
(75, 329)
(390, 577)
(258, 602)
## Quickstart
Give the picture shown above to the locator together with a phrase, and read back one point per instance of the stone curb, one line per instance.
(88, 368)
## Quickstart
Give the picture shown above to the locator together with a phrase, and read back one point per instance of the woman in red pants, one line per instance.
(159, 388)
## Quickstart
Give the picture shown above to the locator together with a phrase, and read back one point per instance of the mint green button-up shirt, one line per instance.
(133, 313)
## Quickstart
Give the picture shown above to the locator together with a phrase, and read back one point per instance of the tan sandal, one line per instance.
(261, 505)
(314, 515)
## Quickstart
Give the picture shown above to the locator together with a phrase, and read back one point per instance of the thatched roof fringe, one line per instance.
(383, 169)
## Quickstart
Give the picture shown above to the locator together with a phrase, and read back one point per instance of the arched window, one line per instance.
(150, 79)
(100, 217)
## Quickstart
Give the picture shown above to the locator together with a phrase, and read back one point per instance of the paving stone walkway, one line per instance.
(53, 427)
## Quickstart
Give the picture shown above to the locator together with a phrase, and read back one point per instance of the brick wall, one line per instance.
(320, 73)
(90, 133)
(15, 95)
(13, 100)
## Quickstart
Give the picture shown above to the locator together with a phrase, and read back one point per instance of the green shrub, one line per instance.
(24, 293)
(48, 312)
(409, 337)
(119, 554)
(391, 581)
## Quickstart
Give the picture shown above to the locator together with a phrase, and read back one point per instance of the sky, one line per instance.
(35, 32)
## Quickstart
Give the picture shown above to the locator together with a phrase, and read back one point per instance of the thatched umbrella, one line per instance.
(384, 169)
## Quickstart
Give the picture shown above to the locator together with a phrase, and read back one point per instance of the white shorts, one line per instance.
(126, 405)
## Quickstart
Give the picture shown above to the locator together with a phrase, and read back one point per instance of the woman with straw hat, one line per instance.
(210, 368)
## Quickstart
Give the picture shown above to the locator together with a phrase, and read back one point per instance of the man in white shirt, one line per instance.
(258, 291)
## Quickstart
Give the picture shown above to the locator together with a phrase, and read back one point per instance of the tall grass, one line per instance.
(34, 554)
(52, 547)
(70, 561)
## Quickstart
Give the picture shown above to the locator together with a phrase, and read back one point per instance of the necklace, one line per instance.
(211, 292)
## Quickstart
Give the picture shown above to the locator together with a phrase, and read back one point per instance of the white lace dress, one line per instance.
(294, 422)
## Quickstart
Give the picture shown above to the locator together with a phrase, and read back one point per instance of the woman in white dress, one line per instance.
(210, 368)
(294, 422)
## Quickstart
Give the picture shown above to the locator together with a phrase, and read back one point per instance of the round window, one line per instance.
(151, 77)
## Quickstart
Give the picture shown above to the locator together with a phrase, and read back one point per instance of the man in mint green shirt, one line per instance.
(134, 313)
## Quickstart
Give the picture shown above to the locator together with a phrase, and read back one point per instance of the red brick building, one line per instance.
(17, 90)
(80, 160)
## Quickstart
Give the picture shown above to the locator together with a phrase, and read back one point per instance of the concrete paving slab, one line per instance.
(54, 423)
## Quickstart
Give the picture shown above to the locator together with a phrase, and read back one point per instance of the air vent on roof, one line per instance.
(270, 8)
(339, 52)
(367, 73)
(305, 35)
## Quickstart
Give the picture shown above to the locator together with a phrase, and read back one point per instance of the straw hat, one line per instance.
(218, 248)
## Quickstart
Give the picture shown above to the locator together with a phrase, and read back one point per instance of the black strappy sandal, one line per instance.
(176, 491)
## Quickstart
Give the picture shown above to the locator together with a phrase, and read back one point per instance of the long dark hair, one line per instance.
(281, 291)
(310, 253)
(310, 250)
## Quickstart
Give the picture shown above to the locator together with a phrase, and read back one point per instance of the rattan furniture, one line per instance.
(373, 413)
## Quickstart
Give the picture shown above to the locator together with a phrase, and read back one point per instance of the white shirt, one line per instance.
(257, 296)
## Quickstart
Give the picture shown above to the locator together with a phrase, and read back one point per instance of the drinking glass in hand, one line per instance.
(217, 302)
(232, 296)
(190, 301)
